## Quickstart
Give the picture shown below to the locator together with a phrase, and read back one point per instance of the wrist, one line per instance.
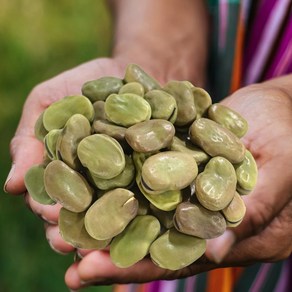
(162, 60)
(167, 38)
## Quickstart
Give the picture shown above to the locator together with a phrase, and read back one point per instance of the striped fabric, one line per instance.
(252, 42)
(259, 277)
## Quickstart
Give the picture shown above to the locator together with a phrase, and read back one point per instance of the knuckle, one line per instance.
(14, 144)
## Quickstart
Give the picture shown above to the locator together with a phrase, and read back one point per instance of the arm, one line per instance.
(171, 35)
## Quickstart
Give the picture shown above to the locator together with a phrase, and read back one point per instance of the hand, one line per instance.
(265, 233)
(26, 150)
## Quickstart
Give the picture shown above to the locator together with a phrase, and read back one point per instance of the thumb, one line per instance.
(25, 149)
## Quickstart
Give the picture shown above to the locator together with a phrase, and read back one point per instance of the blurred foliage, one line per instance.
(38, 39)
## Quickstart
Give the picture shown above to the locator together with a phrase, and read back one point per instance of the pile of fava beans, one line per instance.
(145, 169)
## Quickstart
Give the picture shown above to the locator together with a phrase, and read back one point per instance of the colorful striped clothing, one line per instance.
(252, 42)
(259, 277)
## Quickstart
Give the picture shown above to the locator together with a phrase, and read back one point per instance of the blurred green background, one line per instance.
(38, 39)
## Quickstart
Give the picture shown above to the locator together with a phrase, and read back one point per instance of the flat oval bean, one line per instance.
(72, 230)
(136, 74)
(124, 179)
(228, 118)
(127, 109)
(235, 211)
(102, 155)
(165, 201)
(50, 142)
(169, 135)
(34, 183)
(169, 170)
(76, 128)
(133, 244)
(110, 129)
(202, 101)
(174, 250)
(101, 88)
(246, 173)
(163, 105)
(132, 87)
(216, 185)
(58, 113)
(193, 219)
(217, 140)
(150, 136)
(110, 214)
(67, 187)
(99, 113)
(186, 110)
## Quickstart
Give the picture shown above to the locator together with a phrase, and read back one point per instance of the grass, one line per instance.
(38, 39)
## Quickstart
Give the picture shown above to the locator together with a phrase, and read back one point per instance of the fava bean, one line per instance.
(110, 214)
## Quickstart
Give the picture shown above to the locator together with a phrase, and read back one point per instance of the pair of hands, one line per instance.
(265, 233)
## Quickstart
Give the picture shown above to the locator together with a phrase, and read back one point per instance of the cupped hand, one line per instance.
(26, 150)
(265, 233)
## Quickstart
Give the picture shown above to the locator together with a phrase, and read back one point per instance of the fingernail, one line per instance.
(219, 247)
(50, 238)
(52, 222)
(54, 249)
(10, 174)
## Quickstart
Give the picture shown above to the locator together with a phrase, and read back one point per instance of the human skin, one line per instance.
(265, 233)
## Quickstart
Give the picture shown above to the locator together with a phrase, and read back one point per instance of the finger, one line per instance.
(25, 152)
(49, 213)
(254, 223)
(25, 149)
(55, 240)
(274, 243)
(72, 278)
(97, 267)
